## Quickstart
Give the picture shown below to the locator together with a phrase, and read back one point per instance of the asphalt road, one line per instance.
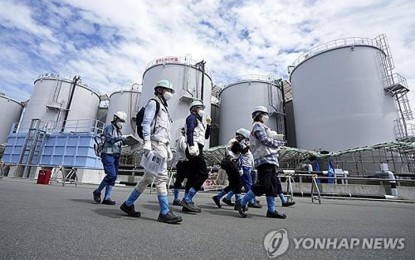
(55, 222)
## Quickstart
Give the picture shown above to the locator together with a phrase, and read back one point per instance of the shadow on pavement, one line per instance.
(87, 201)
(116, 213)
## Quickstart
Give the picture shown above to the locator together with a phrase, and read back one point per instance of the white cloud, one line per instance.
(109, 43)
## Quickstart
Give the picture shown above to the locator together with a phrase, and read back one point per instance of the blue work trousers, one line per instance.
(110, 163)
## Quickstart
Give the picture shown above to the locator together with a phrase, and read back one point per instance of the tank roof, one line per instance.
(125, 90)
(187, 61)
(336, 44)
(268, 79)
(3, 95)
(54, 76)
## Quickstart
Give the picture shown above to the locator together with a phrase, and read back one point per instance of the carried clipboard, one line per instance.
(131, 140)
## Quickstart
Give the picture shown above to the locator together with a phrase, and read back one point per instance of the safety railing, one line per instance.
(174, 60)
(72, 126)
(86, 125)
(25, 127)
(317, 176)
(403, 131)
(399, 79)
(255, 77)
(335, 44)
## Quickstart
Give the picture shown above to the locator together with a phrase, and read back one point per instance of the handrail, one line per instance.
(174, 60)
(253, 77)
(317, 174)
(335, 44)
(93, 126)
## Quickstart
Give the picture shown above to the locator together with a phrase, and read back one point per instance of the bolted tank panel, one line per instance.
(339, 99)
(238, 100)
(49, 102)
(187, 79)
(125, 101)
(10, 112)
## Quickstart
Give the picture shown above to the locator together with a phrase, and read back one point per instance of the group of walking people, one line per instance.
(257, 148)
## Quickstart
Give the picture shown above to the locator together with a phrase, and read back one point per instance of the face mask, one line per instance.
(119, 125)
(201, 113)
(265, 118)
(167, 95)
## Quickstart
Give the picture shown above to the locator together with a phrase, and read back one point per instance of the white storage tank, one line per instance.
(55, 100)
(338, 96)
(10, 112)
(190, 81)
(238, 100)
(127, 101)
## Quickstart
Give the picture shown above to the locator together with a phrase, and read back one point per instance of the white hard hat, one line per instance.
(164, 83)
(259, 110)
(197, 103)
(121, 115)
(245, 133)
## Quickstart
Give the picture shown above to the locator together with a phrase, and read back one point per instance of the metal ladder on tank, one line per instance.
(32, 147)
(386, 60)
(396, 86)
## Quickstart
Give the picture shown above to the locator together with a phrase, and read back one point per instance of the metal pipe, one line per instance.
(283, 109)
(75, 80)
(203, 78)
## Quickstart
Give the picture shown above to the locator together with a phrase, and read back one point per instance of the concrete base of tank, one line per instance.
(87, 176)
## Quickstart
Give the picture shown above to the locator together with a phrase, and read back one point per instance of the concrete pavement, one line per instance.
(55, 222)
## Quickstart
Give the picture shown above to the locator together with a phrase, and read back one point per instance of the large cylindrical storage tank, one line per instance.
(338, 96)
(126, 101)
(55, 100)
(238, 100)
(10, 112)
(190, 81)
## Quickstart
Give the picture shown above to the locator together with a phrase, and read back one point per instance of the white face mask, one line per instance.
(119, 124)
(201, 113)
(167, 95)
(265, 118)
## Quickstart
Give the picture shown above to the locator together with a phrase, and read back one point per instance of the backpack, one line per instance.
(99, 144)
(140, 116)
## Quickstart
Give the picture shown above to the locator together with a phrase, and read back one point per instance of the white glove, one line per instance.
(194, 150)
(241, 172)
(208, 120)
(169, 154)
(147, 146)
(277, 136)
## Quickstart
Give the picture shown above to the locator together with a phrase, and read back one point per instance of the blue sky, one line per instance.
(109, 43)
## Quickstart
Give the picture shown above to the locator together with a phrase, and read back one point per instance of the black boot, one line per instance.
(169, 218)
(176, 203)
(97, 196)
(189, 207)
(276, 215)
(217, 201)
(240, 208)
(228, 202)
(254, 205)
(130, 211)
(288, 204)
(109, 202)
